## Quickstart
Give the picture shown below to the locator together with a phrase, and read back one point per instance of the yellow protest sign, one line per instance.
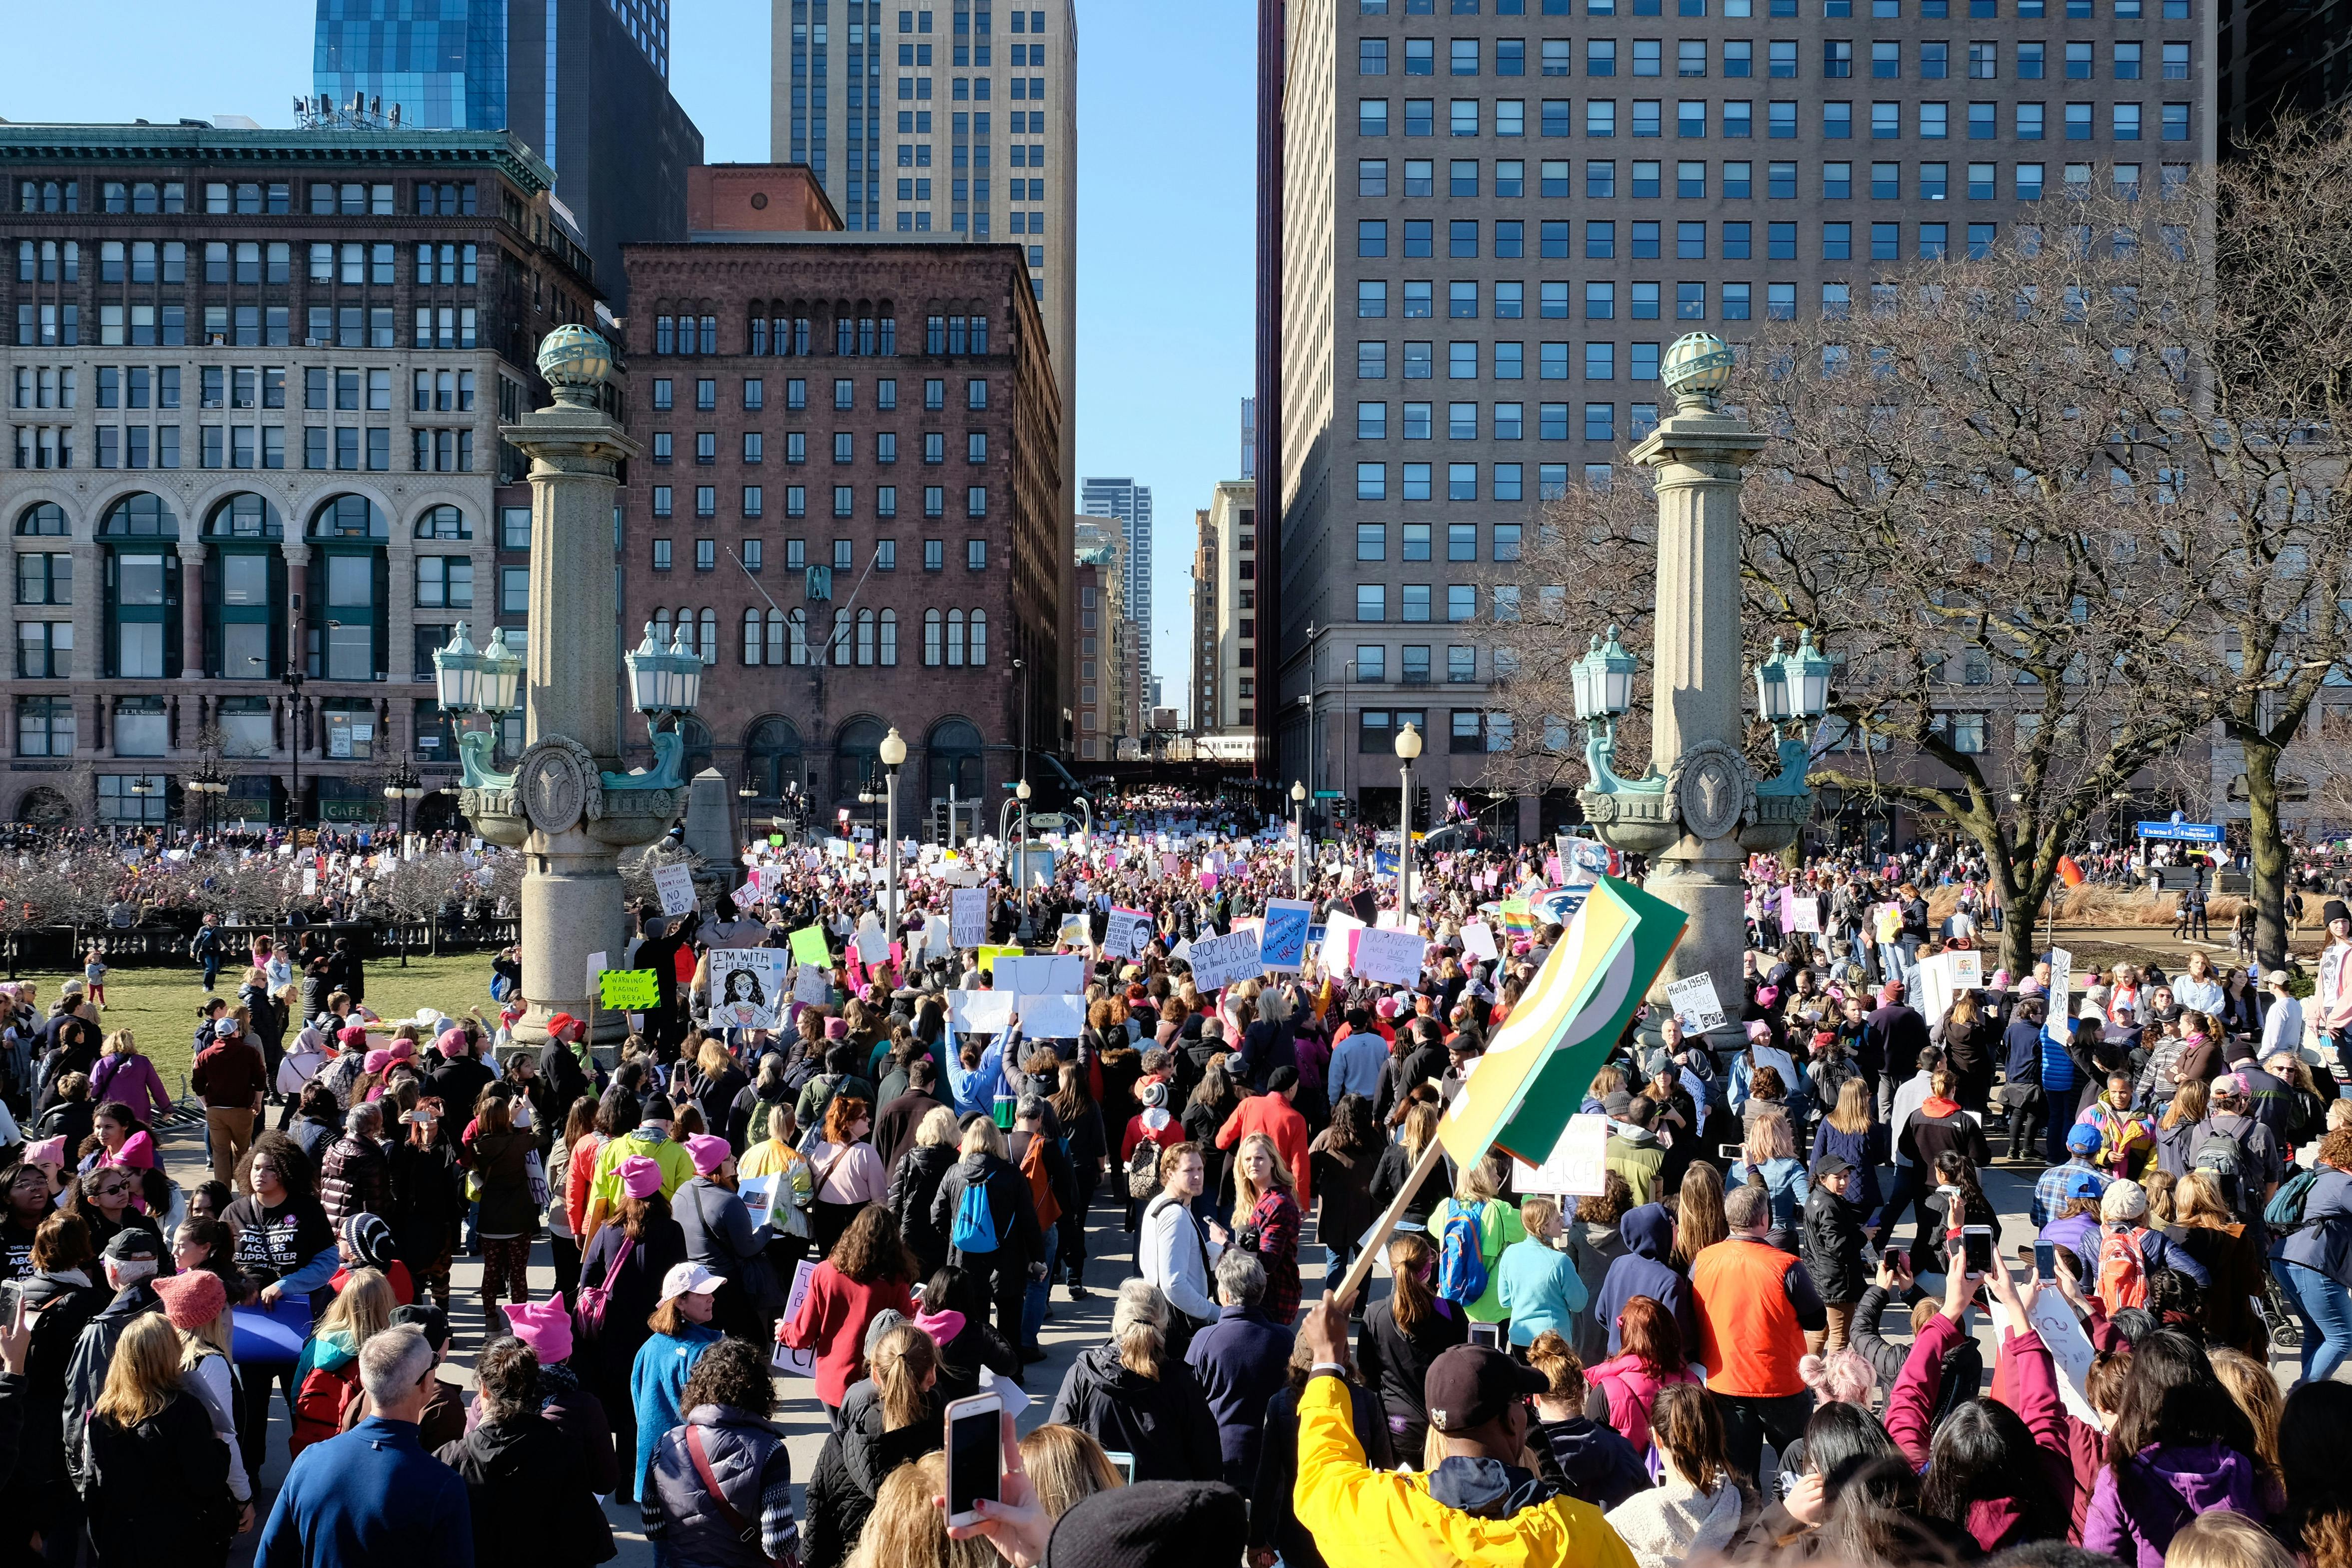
(628, 990)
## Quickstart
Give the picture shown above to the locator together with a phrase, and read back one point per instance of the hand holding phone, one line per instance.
(972, 1432)
(1014, 1522)
(1488, 1335)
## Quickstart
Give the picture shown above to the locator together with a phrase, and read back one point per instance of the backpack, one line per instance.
(2221, 1155)
(1143, 1170)
(975, 1224)
(2285, 1211)
(1041, 1185)
(2123, 1271)
(1461, 1266)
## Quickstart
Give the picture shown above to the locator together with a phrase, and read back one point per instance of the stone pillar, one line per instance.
(192, 610)
(1695, 699)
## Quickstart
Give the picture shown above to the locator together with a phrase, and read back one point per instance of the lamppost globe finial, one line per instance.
(575, 361)
(1696, 366)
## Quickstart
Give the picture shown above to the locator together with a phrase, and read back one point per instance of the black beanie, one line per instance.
(1151, 1524)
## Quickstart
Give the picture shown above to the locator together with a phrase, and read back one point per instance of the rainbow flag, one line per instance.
(1518, 919)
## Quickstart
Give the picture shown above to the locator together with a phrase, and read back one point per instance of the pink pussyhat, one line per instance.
(545, 1326)
(48, 1152)
(640, 1176)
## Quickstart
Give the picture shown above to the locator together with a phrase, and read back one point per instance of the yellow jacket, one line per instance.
(1377, 1519)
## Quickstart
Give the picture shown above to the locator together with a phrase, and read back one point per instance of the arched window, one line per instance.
(866, 636)
(444, 523)
(349, 517)
(245, 516)
(661, 628)
(979, 638)
(953, 753)
(840, 642)
(143, 516)
(772, 757)
(890, 637)
(46, 518)
(752, 642)
(685, 624)
(855, 763)
(796, 628)
(932, 626)
(698, 745)
(711, 636)
(955, 639)
(776, 636)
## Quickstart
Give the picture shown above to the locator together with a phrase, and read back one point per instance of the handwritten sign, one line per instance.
(628, 990)
(1478, 940)
(1801, 912)
(798, 1362)
(968, 914)
(1128, 935)
(1695, 1002)
(747, 986)
(810, 986)
(1219, 961)
(1282, 944)
(1576, 1165)
(1390, 957)
(675, 886)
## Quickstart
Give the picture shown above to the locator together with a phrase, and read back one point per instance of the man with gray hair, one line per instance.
(355, 1174)
(1755, 1305)
(374, 1494)
(1239, 1360)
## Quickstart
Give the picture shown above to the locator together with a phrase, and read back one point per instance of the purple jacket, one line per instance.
(131, 1081)
(2137, 1509)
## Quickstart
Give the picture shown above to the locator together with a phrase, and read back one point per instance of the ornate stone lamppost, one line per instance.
(1697, 820)
(566, 804)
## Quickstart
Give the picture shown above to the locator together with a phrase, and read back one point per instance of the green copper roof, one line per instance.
(283, 149)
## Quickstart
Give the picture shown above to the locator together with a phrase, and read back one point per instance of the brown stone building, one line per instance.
(254, 379)
(850, 491)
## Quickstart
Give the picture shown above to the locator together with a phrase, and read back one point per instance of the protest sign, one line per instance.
(810, 986)
(1800, 912)
(1576, 1164)
(798, 1362)
(968, 913)
(1478, 940)
(1220, 961)
(989, 957)
(1282, 944)
(758, 1196)
(747, 986)
(628, 990)
(1390, 957)
(1695, 1002)
(979, 1013)
(1129, 934)
(673, 884)
(810, 946)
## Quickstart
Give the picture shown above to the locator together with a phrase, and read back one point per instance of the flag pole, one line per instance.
(1360, 1269)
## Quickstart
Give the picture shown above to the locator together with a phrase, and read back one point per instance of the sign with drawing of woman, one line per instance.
(747, 986)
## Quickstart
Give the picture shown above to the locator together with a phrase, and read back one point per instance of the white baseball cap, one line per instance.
(689, 1280)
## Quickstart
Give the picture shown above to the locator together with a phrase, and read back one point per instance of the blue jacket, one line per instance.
(2325, 1240)
(1356, 1065)
(1239, 1360)
(2022, 1047)
(1539, 1290)
(977, 1090)
(370, 1497)
(1645, 1270)
(656, 1381)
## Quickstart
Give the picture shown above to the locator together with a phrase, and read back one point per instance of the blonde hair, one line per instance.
(903, 1364)
(144, 1373)
(982, 1137)
(907, 1528)
(1479, 1182)
(364, 1308)
(1245, 1192)
(1853, 1112)
(713, 1059)
(120, 1043)
(1699, 1220)
(2255, 1390)
(1066, 1467)
(1769, 1137)
(780, 1124)
(205, 1339)
(1138, 1326)
(1538, 1215)
(2224, 1540)
(1420, 1125)
(2197, 1200)
(936, 1129)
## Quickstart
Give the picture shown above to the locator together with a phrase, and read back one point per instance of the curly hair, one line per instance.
(871, 1249)
(731, 1372)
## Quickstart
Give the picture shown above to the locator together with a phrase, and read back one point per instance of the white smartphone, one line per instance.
(1123, 1463)
(1488, 1335)
(975, 1455)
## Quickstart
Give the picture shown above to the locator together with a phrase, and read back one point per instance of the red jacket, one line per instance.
(2031, 1384)
(831, 1320)
(1276, 1117)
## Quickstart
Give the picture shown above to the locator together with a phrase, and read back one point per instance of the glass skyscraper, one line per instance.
(442, 61)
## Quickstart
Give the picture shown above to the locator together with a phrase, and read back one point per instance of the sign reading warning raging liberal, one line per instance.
(1535, 1068)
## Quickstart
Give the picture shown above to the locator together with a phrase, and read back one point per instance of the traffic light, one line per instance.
(1421, 807)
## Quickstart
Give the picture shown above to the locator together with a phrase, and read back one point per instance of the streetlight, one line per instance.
(206, 784)
(1020, 860)
(1408, 748)
(1298, 857)
(293, 679)
(403, 787)
(893, 753)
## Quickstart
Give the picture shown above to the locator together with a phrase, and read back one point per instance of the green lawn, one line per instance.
(158, 1004)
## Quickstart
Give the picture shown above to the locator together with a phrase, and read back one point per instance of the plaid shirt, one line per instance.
(2049, 1191)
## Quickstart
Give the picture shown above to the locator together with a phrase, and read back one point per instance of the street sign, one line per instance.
(1048, 822)
(1326, 795)
(2181, 832)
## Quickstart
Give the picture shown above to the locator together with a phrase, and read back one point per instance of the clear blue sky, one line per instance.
(1166, 141)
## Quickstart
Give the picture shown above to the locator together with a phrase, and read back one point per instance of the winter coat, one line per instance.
(858, 1455)
(530, 1494)
(354, 1179)
(1388, 1175)
(1644, 1269)
(1165, 1421)
(1012, 1211)
(1273, 1522)
(1395, 1362)
(913, 1185)
(429, 1200)
(1589, 1460)
(604, 1360)
(1344, 1181)
(1963, 1363)
(748, 1457)
(831, 1320)
(2324, 1242)
(502, 1159)
(1629, 1391)
(1239, 1360)
(159, 1490)
(1675, 1522)
(93, 1353)
(2030, 1389)
(326, 1380)
(1864, 1151)
(1831, 1245)
(1595, 1248)
(1539, 1290)
(2138, 1506)
(657, 1380)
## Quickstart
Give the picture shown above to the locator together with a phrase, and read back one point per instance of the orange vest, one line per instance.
(1748, 1339)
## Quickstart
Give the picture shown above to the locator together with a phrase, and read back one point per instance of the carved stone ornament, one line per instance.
(555, 782)
(1713, 791)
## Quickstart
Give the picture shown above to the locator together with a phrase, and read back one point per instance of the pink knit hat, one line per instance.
(708, 1152)
(545, 1326)
(836, 1029)
(376, 1060)
(640, 1178)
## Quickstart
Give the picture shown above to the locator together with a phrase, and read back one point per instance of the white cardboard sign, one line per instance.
(1577, 1162)
(1220, 961)
(747, 986)
(1695, 1002)
(675, 885)
(1390, 957)
(968, 914)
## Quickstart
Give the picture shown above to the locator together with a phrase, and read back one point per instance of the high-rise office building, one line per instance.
(956, 120)
(585, 83)
(1817, 146)
(1130, 503)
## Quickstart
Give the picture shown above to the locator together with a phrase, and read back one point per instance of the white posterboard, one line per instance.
(798, 1362)
(1129, 934)
(872, 944)
(598, 962)
(1051, 1017)
(979, 1013)
(935, 940)
(1338, 957)
(675, 886)
(1695, 1002)
(2070, 1353)
(1075, 932)
(1043, 974)
(1478, 940)
(747, 986)
(1933, 993)
(1803, 911)
(1968, 969)
(968, 915)
(811, 986)
(1390, 957)
(758, 1196)
(1576, 1165)
(1220, 961)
